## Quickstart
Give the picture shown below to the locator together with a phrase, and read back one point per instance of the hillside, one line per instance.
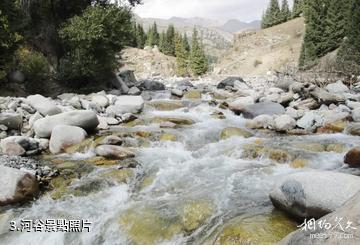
(148, 62)
(257, 52)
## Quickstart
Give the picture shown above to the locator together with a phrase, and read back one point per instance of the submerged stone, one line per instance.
(119, 175)
(231, 132)
(195, 213)
(168, 137)
(176, 120)
(166, 105)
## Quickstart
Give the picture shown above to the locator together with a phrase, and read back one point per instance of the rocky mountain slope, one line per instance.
(257, 52)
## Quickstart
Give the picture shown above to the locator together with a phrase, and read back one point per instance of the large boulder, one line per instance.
(238, 105)
(86, 120)
(337, 88)
(152, 85)
(128, 77)
(100, 100)
(263, 108)
(348, 214)
(19, 145)
(16, 186)
(12, 149)
(307, 121)
(313, 194)
(126, 104)
(64, 136)
(114, 152)
(284, 123)
(229, 82)
(11, 120)
(327, 98)
(353, 157)
(43, 105)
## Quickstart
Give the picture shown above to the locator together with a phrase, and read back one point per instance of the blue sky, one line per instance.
(244, 10)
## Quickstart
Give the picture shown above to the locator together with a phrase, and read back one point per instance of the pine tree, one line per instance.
(298, 8)
(198, 61)
(162, 42)
(133, 38)
(272, 15)
(315, 40)
(169, 47)
(140, 36)
(349, 54)
(285, 13)
(182, 56)
(153, 36)
(336, 23)
(186, 43)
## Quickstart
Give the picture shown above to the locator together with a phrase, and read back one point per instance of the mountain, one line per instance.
(234, 26)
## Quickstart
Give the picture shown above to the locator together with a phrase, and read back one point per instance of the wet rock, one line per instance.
(195, 213)
(350, 211)
(110, 140)
(11, 120)
(310, 146)
(330, 128)
(126, 104)
(231, 132)
(353, 129)
(43, 105)
(229, 82)
(82, 147)
(353, 157)
(258, 229)
(307, 104)
(16, 186)
(27, 143)
(86, 120)
(335, 147)
(263, 108)
(114, 152)
(314, 193)
(296, 114)
(119, 175)
(192, 95)
(284, 123)
(166, 105)
(102, 123)
(168, 125)
(337, 88)
(277, 155)
(238, 105)
(176, 120)
(64, 136)
(298, 163)
(356, 115)
(128, 79)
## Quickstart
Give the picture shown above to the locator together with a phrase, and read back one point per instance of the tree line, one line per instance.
(275, 14)
(190, 59)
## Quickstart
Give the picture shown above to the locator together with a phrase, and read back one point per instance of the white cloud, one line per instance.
(245, 10)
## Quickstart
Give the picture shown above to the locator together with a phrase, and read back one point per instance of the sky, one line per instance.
(222, 10)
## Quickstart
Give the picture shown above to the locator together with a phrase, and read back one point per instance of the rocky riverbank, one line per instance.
(79, 145)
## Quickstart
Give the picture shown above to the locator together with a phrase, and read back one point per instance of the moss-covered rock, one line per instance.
(144, 226)
(277, 155)
(119, 175)
(146, 182)
(310, 146)
(335, 147)
(166, 105)
(252, 151)
(231, 132)
(168, 137)
(192, 95)
(195, 213)
(60, 186)
(256, 230)
(84, 146)
(299, 163)
(102, 161)
(136, 122)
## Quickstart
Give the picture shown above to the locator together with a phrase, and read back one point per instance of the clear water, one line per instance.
(198, 166)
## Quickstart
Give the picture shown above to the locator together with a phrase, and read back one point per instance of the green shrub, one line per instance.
(91, 42)
(34, 65)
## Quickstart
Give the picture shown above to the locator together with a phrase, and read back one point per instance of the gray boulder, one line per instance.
(337, 88)
(356, 115)
(229, 82)
(128, 77)
(263, 108)
(126, 104)
(100, 100)
(353, 129)
(350, 211)
(134, 91)
(11, 120)
(152, 85)
(238, 105)
(327, 98)
(284, 123)
(16, 186)
(45, 106)
(307, 121)
(313, 194)
(86, 120)
(11, 149)
(64, 136)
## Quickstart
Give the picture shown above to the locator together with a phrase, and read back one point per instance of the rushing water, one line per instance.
(197, 168)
